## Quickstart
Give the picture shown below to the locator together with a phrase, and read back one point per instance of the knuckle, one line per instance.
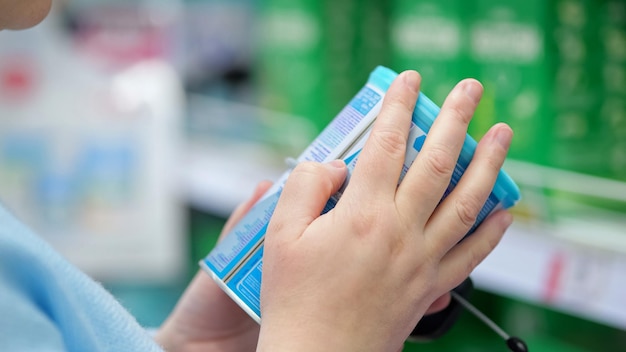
(306, 168)
(399, 102)
(476, 258)
(274, 230)
(491, 243)
(494, 162)
(396, 245)
(460, 113)
(382, 227)
(438, 162)
(467, 209)
(392, 142)
(473, 263)
(311, 172)
(479, 253)
(367, 221)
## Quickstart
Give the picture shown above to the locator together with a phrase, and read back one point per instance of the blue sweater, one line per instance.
(46, 304)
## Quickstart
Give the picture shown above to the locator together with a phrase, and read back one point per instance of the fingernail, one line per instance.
(473, 89)
(504, 136)
(412, 80)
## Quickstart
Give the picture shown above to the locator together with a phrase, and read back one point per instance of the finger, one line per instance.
(439, 304)
(429, 176)
(244, 207)
(303, 197)
(463, 258)
(456, 215)
(380, 163)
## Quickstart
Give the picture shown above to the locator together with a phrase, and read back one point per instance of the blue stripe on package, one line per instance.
(236, 262)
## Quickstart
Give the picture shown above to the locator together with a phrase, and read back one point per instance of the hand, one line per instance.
(360, 277)
(206, 319)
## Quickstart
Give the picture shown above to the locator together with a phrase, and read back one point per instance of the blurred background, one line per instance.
(129, 130)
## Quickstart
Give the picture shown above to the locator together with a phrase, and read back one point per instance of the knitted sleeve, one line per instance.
(47, 304)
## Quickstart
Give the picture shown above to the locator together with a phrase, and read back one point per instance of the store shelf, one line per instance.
(534, 265)
(572, 260)
(216, 181)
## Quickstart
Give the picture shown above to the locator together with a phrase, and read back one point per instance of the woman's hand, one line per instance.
(206, 319)
(360, 277)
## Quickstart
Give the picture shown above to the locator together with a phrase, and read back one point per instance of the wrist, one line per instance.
(167, 339)
(303, 337)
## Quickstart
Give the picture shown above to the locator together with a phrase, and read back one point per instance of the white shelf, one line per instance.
(217, 179)
(534, 265)
(572, 260)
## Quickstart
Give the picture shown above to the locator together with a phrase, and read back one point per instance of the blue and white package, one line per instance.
(236, 262)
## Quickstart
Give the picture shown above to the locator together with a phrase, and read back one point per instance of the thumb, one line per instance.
(304, 196)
